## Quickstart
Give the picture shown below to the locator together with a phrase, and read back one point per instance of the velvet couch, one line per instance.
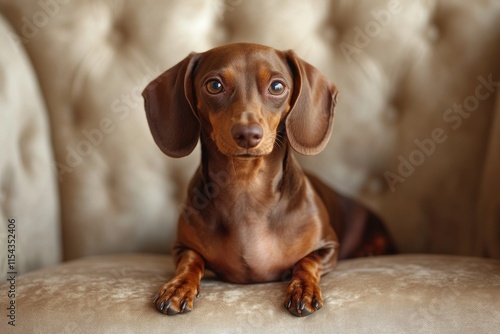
(88, 203)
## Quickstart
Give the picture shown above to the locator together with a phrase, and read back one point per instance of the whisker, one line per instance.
(279, 143)
(233, 166)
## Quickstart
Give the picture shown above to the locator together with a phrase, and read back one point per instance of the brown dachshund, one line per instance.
(251, 213)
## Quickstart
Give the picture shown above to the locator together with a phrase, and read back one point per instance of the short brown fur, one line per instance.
(262, 216)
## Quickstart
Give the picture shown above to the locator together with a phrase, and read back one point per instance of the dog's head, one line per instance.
(241, 95)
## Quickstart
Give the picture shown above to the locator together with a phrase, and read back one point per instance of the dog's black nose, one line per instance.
(247, 136)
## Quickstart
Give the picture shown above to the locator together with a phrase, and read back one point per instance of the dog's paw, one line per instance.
(177, 296)
(303, 297)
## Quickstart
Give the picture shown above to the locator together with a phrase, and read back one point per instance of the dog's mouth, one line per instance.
(246, 156)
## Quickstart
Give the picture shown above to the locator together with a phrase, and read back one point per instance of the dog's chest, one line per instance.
(254, 232)
(257, 247)
(262, 252)
(250, 254)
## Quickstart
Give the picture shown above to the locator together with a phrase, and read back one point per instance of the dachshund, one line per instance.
(251, 213)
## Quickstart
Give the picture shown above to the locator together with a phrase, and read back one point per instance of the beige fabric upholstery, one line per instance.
(488, 210)
(403, 294)
(416, 137)
(401, 67)
(28, 188)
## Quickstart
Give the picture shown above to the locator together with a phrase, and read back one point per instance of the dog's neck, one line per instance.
(264, 172)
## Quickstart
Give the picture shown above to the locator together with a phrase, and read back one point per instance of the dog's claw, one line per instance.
(183, 306)
(303, 298)
(301, 309)
(176, 297)
(305, 312)
(171, 312)
(316, 304)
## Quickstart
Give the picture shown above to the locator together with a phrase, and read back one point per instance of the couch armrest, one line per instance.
(28, 186)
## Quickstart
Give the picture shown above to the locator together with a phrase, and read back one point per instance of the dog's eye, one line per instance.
(214, 87)
(276, 88)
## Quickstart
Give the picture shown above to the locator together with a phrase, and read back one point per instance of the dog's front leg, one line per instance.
(303, 295)
(177, 295)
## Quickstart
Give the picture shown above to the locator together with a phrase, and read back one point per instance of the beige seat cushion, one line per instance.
(397, 294)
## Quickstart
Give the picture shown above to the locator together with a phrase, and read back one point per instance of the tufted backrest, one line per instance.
(418, 84)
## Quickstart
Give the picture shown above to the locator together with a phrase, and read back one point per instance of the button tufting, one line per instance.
(117, 36)
(118, 33)
(433, 33)
(330, 34)
(375, 186)
(392, 113)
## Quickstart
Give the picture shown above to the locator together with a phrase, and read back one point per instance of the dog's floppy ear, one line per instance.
(169, 105)
(310, 120)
